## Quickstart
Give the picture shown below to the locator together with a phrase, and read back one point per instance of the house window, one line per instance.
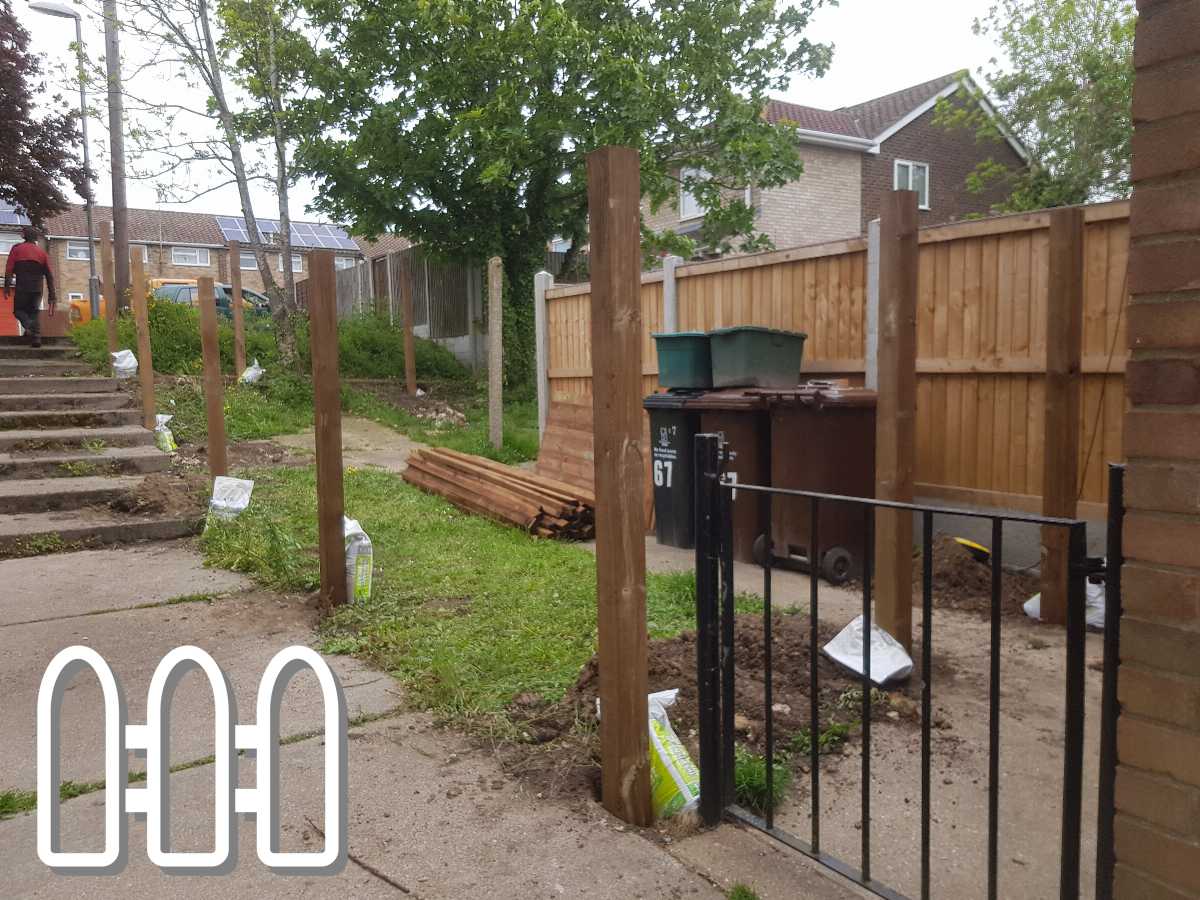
(297, 262)
(690, 206)
(8, 241)
(78, 250)
(913, 176)
(248, 261)
(343, 262)
(145, 251)
(189, 256)
(74, 297)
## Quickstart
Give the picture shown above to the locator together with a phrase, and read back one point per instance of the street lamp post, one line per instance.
(65, 12)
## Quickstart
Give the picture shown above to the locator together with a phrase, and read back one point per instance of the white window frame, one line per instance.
(7, 242)
(910, 163)
(296, 258)
(242, 261)
(73, 296)
(74, 248)
(344, 262)
(145, 252)
(689, 206)
(202, 259)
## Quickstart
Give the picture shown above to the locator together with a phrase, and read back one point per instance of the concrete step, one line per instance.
(24, 384)
(43, 367)
(35, 440)
(82, 463)
(32, 534)
(49, 494)
(13, 340)
(41, 419)
(46, 351)
(95, 401)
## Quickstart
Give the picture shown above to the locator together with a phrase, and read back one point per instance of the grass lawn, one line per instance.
(466, 612)
(282, 405)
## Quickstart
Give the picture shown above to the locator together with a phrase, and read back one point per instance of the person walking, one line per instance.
(29, 265)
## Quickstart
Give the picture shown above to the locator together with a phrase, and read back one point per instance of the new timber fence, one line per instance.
(983, 307)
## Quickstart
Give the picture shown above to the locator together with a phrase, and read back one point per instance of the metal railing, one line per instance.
(717, 666)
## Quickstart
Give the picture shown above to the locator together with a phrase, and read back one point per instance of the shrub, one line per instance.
(370, 346)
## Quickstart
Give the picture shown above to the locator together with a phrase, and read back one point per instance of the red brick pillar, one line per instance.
(1158, 780)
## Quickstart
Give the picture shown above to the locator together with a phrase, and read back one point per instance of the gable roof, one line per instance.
(879, 114)
(868, 124)
(382, 245)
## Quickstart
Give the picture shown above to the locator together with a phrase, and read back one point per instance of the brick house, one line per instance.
(173, 244)
(853, 154)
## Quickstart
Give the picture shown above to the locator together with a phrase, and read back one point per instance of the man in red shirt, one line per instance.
(30, 266)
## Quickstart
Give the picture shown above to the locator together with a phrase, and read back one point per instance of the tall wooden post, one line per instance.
(1064, 348)
(495, 353)
(239, 315)
(896, 420)
(109, 288)
(410, 348)
(327, 401)
(614, 192)
(141, 319)
(214, 389)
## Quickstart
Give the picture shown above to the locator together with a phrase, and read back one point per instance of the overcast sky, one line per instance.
(880, 46)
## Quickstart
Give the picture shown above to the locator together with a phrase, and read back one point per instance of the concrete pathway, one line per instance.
(364, 443)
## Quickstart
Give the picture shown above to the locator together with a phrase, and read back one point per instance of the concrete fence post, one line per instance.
(542, 282)
(670, 294)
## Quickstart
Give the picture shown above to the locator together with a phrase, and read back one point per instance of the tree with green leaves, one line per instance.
(1065, 89)
(40, 147)
(465, 126)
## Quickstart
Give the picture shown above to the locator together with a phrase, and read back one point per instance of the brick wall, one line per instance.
(951, 154)
(1157, 827)
(822, 205)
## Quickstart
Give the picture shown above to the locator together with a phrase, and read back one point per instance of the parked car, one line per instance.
(183, 290)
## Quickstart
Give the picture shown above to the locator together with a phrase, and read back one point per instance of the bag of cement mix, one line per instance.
(163, 439)
(1094, 606)
(253, 374)
(359, 560)
(230, 497)
(889, 659)
(674, 778)
(124, 364)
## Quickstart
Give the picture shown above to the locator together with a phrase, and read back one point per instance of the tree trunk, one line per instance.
(285, 326)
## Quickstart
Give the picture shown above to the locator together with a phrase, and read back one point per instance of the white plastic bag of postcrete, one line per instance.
(163, 439)
(253, 374)
(124, 364)
(889, 660)
(359, 560)
(230, 497)
(674, 778)
(1095, 606)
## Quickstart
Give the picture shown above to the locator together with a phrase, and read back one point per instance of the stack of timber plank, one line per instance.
(545, 507)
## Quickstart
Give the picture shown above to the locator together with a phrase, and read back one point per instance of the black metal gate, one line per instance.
(716, 622)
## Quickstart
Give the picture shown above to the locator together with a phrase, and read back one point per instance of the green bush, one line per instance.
(368, 346)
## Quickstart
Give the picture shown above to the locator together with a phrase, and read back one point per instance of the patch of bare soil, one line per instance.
(425, 405)
(960, 581)
(560, 755)
(245, 455)
(175, 494)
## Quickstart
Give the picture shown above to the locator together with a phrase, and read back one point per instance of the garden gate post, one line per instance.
(614, 194)
(214, 388)
(896, 428)
(327, 415)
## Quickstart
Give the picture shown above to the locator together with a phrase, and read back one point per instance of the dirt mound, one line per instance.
(172, 494)
(560, 755)
(962, 582)
(423, 405)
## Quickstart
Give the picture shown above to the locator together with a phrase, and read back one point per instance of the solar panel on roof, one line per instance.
(303, 234)
(10, 216)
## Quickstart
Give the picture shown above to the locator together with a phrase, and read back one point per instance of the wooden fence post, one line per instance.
(1064, 349)
(239, 315)
(410, 343)
(614, 193)
(141, 320)
(542, 282)
(327, 400)
(895, 435)
(871, 363)
(495, 353)
(109, 288)
(214, 388)
(670, 294)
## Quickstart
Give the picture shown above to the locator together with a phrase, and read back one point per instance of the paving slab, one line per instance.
(241, 633)
(430, 816)
(75, 584)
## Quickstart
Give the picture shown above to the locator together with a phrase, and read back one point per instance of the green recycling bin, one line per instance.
(753, 356)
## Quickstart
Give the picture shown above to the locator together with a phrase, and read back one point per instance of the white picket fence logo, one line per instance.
(261, 738)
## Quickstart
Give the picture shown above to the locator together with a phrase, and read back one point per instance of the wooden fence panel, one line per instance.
(981, 341)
